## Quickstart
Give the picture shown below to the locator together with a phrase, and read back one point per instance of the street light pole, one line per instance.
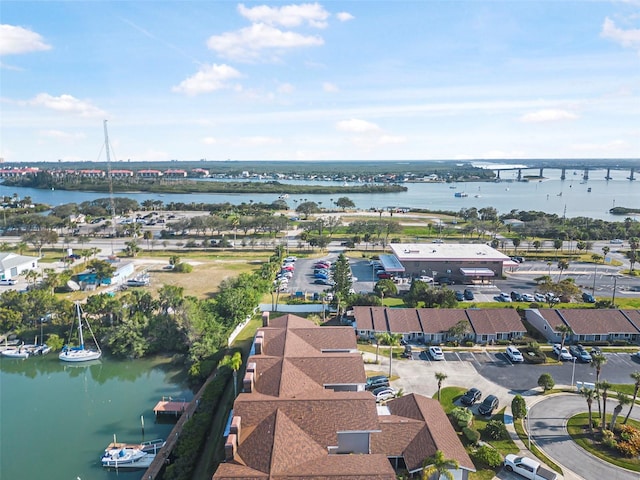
(595, 273)
(613, 298)
(573, 371)
(528, 427)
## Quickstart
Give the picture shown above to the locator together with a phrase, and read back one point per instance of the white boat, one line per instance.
(143, 462)
(80, 353)
(116, 457)
(19, 352)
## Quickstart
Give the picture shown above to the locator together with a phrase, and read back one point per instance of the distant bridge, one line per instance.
(630, 167)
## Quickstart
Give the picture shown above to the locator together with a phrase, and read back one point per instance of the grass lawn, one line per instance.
(577, 426)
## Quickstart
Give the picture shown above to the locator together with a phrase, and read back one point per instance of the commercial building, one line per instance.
(12, 264)
(451, 262)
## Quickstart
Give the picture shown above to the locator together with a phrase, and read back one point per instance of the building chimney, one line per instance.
(235, 426)
(230, 447)
(259, 342)
(251, 367)
(265, 319)
(248, 382)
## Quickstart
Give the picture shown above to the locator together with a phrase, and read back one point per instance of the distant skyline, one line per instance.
(334, 80)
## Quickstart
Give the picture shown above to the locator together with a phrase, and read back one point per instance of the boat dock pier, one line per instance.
(168, 406)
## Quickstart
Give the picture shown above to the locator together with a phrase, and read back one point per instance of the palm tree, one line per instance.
(623, 399)
(636, 378)
(562, 265)
(234, 363)
(564, 331)
(604, 386)
(440, 376)
(379, 339)
(440, 466)
(392, 340)
(589, 394)
(597, 361)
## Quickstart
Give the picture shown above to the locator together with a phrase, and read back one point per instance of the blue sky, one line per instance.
(337, 80)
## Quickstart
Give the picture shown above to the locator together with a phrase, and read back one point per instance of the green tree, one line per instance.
(308, 208)
(518, 407)
(131, 248)
(623, 400)
(234, 362)
(342, 279)
(604, 387)
(546, 381)
(564, 331)
(392, 340)
(344, 203)
(636, 386)
(589, 394)
(148, 236)
(563, 264)
(385, 287)
(103, 270)
(459, 330)
(557, 245)
(440, 377)
(516, 243)
(597, 361)
(439, 465)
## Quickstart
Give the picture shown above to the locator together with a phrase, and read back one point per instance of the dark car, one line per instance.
(382, 275)
(376, 382)
(588, 298)
(323, 281)
(459, 296)
(446, 281)
(472, 396)
(516, 297)
(468, 294)
(488, 405)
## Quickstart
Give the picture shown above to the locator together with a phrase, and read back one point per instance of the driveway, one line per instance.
(547, 423)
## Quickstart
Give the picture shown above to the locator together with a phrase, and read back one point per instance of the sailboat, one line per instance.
(80, 353)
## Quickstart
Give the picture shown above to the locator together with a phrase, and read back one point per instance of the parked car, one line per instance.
(471, 396)
(516, 297)
(7, 281)
(514, 354)
(435, 353)
(561, 352)
(580, 353)
(459, 296)
(383, 274)
(616, 241)
(588, 298)
(538, 297)
(408, 351)
(323, 281)
(376, 381)
(383, 394)
(488, 405)
(468, 294)
(527, 297)
(596, 350)
(503, 297)
(321, 275)
(290, 259)
(446, 281)
(528, 468)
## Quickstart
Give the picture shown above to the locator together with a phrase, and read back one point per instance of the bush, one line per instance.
(608, 439)
(627, 449)
(488, 456)
(183, 268)
(462, 416)
(496, 430)
(471, 434)
(469, 344)
(518, 407)
(533, 355)
(546, 381)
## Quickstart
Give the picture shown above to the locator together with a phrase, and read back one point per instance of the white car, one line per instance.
(538, 297)
(383, 394)
(435, 353)
(514, 354)
(527, 297)
(561, 352)
(7, 281)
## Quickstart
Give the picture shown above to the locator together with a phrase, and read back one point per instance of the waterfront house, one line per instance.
(149, 173)
(175, 173)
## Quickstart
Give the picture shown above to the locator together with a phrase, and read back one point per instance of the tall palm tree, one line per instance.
(604, 386)
(623, 399)
(440, 376)
(439, 465)
(392, 340)
(564, 331)
(234, 363)
(589, 394)
(597, 361)
(636, 378)
(563, 264)
(379, 339)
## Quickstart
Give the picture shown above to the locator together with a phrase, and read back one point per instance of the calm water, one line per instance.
(552, 195)
(56, 419)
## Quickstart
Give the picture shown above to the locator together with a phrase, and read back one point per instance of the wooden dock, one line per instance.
(168, 406)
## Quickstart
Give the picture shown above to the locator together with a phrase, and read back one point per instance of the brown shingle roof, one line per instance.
(495, 320)
(633, 316)
(437, 433)
(589, 321)
(371, 318)
(440, 320)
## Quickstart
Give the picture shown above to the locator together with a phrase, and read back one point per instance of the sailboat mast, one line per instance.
(110, 179)
(80, 328)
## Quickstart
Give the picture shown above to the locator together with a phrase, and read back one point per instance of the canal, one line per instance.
(56, 418)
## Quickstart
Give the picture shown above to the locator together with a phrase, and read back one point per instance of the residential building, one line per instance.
(12, 264)
(304, 413)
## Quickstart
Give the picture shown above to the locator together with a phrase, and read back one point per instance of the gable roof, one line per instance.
(633, 316)
(440, 320)
(495, 320)
(407, 320)
(590, 321)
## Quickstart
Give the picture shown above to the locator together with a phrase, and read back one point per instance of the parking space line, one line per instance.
(458, 355)
(474, 358)
(623, 359)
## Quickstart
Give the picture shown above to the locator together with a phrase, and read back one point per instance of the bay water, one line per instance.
(56, 419)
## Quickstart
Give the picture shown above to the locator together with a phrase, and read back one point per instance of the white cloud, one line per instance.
(16, 40)
(208, 79)
(249, 44)
(286, 88)
(599, 148)
(391, 139)
(68, 104)
(60, 135)
(330, 87)
(344, 16)
(626, 38)
(209, 141)
(548, 115)
(357, 126)
(313, 14)
(258, 141)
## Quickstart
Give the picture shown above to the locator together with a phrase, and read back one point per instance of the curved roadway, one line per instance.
(548, 429)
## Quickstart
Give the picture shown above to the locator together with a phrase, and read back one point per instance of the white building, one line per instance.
(12, 264)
